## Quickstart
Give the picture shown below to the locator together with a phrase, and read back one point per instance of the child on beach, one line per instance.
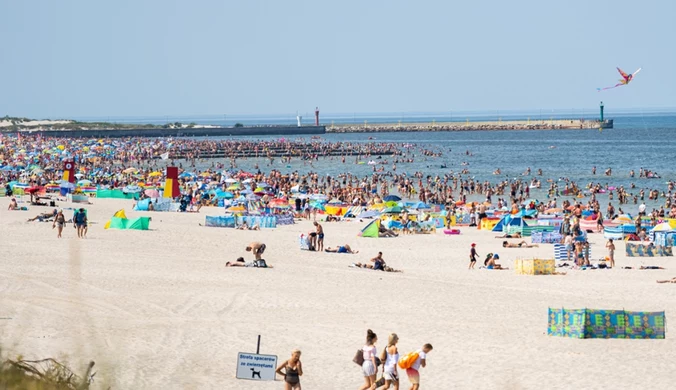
(611, 252)
(472, 256)
(414, 372)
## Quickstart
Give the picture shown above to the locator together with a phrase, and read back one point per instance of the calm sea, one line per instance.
(638, 140)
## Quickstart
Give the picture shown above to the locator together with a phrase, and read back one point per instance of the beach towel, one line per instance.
(560, 253)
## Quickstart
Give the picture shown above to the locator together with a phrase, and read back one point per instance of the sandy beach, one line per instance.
(158, 309)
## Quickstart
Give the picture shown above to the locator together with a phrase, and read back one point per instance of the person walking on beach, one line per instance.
(59, 223)
(80, 220)
(390, 356)
(257, 248)
(472, 256)
(611, 252)
(320, 237)
(369, 366)
(414, 372)
(292, 371)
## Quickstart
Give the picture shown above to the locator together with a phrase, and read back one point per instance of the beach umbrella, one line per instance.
(247, 181)
(130, 170)
(420, 206)
(132, 189)
(185, 175)
(662, 227)
(317, 205)
(393, 210)
(235, 209)
(205, 174)
(234, 187)
(155, 174)
(152, 193)
(279, 203)
(84, 182)
(391, 198)
(34, 189)
(230, 180)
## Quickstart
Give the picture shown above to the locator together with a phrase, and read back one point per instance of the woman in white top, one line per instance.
(369, 367)
(391, 356)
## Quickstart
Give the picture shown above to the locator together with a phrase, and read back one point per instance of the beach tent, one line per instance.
(371, 230)
(120, 221)
(508, 220)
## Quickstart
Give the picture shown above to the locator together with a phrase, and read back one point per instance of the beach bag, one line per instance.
(407, 360)
(359, 357)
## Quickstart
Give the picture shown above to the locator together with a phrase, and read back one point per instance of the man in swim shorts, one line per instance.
(414, 371)
(320, 236)
(257, 248)
(341, 249)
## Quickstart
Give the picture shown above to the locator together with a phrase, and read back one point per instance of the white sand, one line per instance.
(158, 310)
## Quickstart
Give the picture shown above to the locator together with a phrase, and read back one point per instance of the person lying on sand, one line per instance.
(672, 280)
(341, 249)
(43, 217)
(385, 232)
(515, 235)
(255, 264)
(522, 244)
(244, 226)
(369, 266)
(378, 264)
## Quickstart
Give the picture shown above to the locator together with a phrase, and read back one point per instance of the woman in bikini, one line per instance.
(59, 223)
(292, 370)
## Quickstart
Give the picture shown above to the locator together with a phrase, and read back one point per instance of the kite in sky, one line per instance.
(626, 78)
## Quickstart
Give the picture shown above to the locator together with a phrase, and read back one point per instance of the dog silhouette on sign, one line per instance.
(255, 374)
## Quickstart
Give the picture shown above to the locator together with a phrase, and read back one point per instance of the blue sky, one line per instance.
(86, 58)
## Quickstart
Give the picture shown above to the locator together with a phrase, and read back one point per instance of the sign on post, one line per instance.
(256, 367)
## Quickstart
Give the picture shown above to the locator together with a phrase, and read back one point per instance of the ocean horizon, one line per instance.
(385, 117)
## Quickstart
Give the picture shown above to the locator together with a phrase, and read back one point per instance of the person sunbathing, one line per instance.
(515, 235)
(255, 264)
(385, 232)
(672, 280)
(341, 249)
(522, 244)
(44, 216)
(245, 226)
(378, 264)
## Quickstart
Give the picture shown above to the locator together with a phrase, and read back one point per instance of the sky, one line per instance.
(83, 58)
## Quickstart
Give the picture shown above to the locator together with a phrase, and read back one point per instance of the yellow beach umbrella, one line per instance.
(155, 174)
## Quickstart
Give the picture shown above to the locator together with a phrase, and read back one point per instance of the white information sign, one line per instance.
(256, 367)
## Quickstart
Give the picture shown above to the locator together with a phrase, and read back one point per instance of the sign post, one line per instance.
(257, 367)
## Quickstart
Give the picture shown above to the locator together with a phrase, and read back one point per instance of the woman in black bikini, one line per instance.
(292, 371)
(59, 223)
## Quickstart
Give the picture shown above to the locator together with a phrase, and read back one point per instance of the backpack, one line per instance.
(407, 360)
